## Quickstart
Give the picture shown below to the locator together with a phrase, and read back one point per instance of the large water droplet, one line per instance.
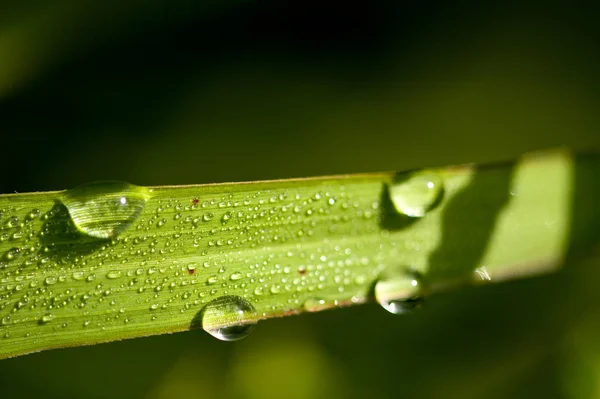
(399, 291)
(229, 318)
(415, 194)
(105, 209)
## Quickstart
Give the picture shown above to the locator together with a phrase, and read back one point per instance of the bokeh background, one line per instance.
(209, 91)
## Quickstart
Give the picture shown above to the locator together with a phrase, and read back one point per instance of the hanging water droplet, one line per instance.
(399, 291)
(229, 318)
(414, 195)
(105, 209)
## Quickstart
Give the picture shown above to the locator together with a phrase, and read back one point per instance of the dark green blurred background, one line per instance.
(209, 91)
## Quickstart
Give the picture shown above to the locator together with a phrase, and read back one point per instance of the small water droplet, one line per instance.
(47, 318)
(78, 275)
(113, 274)
(13, 221)
(236, 276)
(226, 217)
(50, 280)
(12, 254)
(34, 214)
(229, 318)
(415, 194)
(399, 291)
(207, 217)
(105, 209)
(191, 267)
(316, 304)
(212, 280)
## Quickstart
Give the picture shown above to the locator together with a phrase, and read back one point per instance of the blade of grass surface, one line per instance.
(284, 246)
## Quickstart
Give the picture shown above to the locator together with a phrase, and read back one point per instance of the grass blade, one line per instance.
(112, 261)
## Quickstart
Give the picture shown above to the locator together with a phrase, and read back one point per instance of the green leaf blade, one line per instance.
(285, 246)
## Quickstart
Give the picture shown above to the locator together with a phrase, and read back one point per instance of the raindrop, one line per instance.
(229, 318)
(316, 304)
(105, 209)
(226, 217)
(113, 274)
(236, 276)
(416, 194)
(399, 291)
(12, 254)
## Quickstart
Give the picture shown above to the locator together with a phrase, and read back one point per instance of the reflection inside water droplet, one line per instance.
(228, 318)
(105, 209)
(399, 291)
(415, 194)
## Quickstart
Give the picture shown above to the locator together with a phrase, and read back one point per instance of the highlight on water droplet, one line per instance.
(399, 290)
(228, 318)
(416, 193)
(105, 209)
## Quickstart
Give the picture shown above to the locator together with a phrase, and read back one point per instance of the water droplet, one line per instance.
(226, 217)
(113, 274)
(105, 209)
(399, 291)
(417, 193)
(191, 267)
(12, 254)
(34, 214)
(50, 280)
(236, 276)
(229, 318)
(212, 280)
(207, 217)
(13, 221)
(78, 275)
(47, 318)
(316, 304)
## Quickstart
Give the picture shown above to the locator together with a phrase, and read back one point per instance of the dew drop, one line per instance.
(47, 318)
(33, 214)
(414, 195)
(316, 304)
(191, 268)
(236, 276)
(226, 217)
(50, 280)
(105, 209)
(212, 280)
(12, 254)
(229, 318)
(399, 291)
(113, 274)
